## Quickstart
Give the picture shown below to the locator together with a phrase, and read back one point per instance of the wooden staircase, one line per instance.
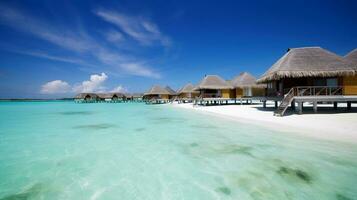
(285, 103)
(306, 91)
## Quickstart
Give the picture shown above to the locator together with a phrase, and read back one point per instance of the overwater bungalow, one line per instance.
(111, 97)
(173, 94)
(187, 93)
(86, 98)
(214, 90)
(134, 97)
(246, 87)
(310, 74)
(157, 95)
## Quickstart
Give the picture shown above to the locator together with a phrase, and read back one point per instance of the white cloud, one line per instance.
(55, 87)
(120, 89)
(95, 84)
(138, 28)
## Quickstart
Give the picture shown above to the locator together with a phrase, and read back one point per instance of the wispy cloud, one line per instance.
(140, 69)
(114, 36)
(140, 29)
(84, 45)
(26, 23)
(55, 58)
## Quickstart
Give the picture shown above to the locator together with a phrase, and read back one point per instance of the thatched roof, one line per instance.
(172, 92)
(157, 90)
(83, 95)
(110, 95)
(188, 88)
(352, 57)
(244, 80)
(308, 62)
(213, 82)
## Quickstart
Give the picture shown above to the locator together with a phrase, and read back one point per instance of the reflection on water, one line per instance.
(295, 173)
(94, 126)
(76, 113)
(31, 193)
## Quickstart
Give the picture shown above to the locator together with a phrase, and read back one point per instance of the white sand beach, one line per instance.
(340, 125)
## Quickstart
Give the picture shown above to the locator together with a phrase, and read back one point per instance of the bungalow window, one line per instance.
(332, 82)
(319, 82)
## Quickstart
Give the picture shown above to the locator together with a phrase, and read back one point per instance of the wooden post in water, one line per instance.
(300, 107)
(293, 105)
(315, 106)
(348, 105)
(335, 105)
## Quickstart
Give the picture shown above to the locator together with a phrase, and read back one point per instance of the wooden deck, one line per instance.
(157, 101)
(222, 101)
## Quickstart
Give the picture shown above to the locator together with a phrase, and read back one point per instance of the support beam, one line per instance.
(276, 104)
(300, 107)
(315, 106)
(293, 105)
(335, 105)
(264, 104)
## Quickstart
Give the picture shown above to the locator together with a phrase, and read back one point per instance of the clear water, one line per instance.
(63, 150)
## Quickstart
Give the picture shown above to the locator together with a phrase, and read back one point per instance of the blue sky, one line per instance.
(59, 48)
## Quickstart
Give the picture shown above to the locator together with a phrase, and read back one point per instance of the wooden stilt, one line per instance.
(315, 106)
(349, 105)
(300, 107)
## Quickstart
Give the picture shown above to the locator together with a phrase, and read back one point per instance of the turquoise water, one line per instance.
(63, 150)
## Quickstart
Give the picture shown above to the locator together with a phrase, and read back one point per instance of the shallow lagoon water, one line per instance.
(63, 150)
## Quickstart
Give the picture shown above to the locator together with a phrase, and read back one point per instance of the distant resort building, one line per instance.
(245, 86)
(86, 97)
(310, 74)
(157, 95)
(135, 97)
(173, 94)
(100, 97)
(111, 97)
(213, 86)
(187, 93)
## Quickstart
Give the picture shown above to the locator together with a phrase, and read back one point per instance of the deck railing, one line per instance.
(318, 90)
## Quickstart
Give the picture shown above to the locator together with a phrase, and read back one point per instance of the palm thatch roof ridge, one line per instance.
(213, 82)
(169, 89)
(352, 57)
(188, 88)
(308, 62)
(245, 79)
(157, 90)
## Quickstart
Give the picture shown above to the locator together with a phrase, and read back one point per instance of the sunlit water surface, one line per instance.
(63, 150)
